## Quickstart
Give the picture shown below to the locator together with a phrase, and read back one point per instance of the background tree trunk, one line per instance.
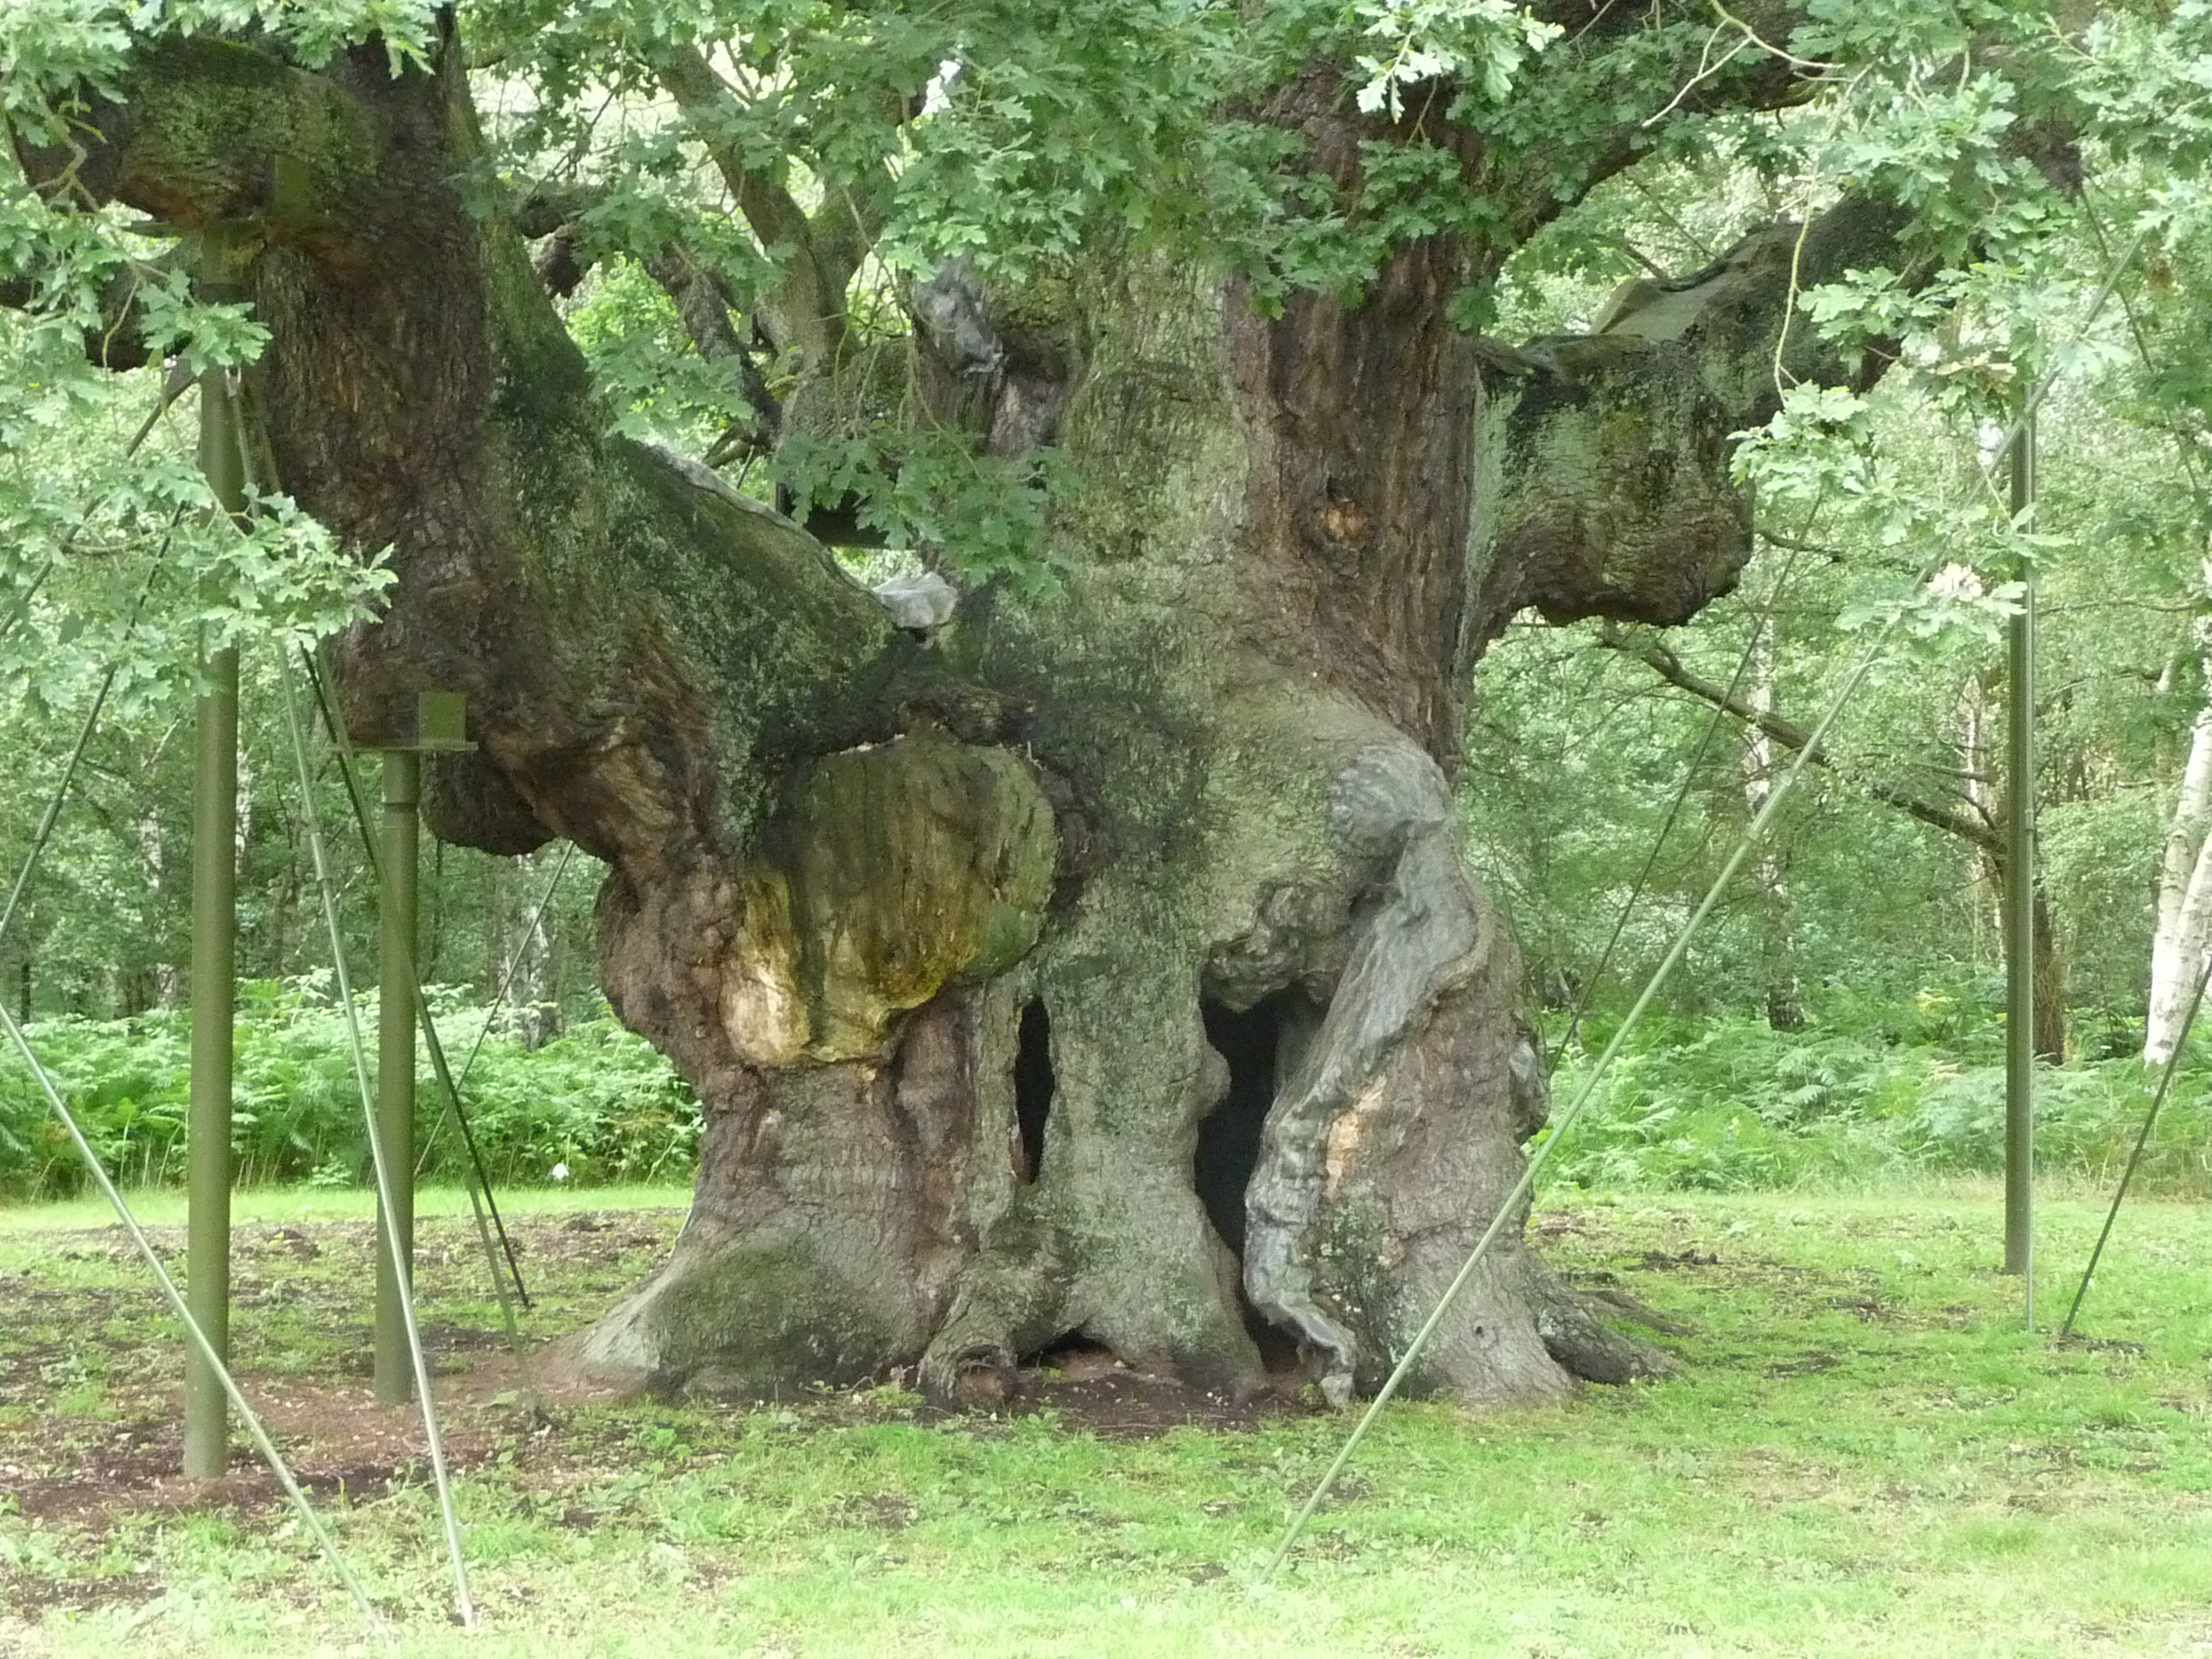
(1970, 818)
(2182, 943)
(521, 968)
(2049, 970)
(1785, 1010)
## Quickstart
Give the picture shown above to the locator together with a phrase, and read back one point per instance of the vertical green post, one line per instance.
(214, 929)
(2020, 899)
(403, 772)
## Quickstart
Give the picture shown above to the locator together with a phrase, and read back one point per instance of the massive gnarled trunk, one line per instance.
(1099, 963)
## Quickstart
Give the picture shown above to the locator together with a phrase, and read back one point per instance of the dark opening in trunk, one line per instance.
(1033, 1090)
(1260, 1043)
(1069, 1351)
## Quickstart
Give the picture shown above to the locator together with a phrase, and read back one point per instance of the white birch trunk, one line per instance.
(2184, 933)
(526, 959)
(1770, 869)
(1982, 886)
(164, 983)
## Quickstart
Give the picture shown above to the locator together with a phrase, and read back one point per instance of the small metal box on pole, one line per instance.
(440, 727)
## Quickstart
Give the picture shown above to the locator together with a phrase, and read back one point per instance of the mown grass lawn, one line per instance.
(1864, 1453)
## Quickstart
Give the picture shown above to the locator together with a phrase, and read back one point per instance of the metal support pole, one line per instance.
(214, 929)
(2019, 900)
(402, 771)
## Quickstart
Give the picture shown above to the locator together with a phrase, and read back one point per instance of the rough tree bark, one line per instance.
(1097, 964)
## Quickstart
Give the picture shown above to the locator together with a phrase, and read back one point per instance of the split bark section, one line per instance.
(851, 870)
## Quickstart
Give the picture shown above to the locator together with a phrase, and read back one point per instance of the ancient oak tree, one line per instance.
(1098, 958)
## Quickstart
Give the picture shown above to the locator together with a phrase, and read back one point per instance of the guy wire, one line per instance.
(197, 1337)
(342, 744)
(2142, 1140)
(194, 1335)
(401, 1278)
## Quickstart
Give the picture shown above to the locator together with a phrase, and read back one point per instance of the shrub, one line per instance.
(1729, 1104)
(597, 1099)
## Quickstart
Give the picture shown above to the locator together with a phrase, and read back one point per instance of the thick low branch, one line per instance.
(1611, 494)
(1794, 738)
(215, 131)
(645, 656)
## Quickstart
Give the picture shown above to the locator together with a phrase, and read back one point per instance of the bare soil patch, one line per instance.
(91, 1370)
(1089, 1390)
(91, 1365)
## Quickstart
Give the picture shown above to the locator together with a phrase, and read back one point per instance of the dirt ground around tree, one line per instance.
(92, 1365)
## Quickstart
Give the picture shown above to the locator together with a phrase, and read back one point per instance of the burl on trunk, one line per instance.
(1098, 963)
